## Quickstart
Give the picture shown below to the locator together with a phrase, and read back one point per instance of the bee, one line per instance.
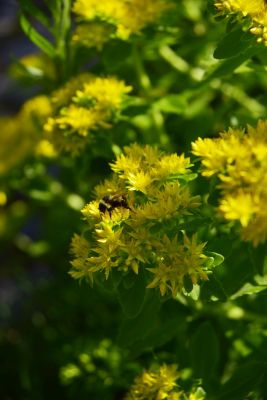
(111, 202)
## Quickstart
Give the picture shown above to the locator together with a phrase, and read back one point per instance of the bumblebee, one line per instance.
(110, 202)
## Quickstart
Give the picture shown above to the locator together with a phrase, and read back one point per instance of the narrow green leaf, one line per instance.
(235, 42)
(36, 37)
(205, 351)
(248, 289)
(229, 65)
(28, 7)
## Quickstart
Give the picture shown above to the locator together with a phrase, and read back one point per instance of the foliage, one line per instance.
(169, 247)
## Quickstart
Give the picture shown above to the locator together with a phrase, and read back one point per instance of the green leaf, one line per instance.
(183, 177)
(232, 44)
(29, 8)
(229, 65)
(248, 289)
(243, 381)
(217, 258)
(131, 294)
(204, 351)
(172, 104)
(36, 37)
(146, 321)
(171, 321)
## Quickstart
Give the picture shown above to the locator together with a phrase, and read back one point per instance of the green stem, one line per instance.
(174, 59)
(158, 134)
(62, 43)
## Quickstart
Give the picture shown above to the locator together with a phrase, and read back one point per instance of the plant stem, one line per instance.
(158, 134)
(62, 42)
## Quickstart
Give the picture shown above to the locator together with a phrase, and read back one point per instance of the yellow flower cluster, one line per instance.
(92, 34)
(135, 221)
(85, 104)
(21, 134)
(239, 160)
(160, 384)
(256, 10)
(114, 18)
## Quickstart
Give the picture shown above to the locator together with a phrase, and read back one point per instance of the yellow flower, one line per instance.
(80, 250)
(240, 206)
(217, 153)
(158, 385)
(107, 9)
(38, 107)
(126, 163)
(172, 165)
(176, 262)
(256, 230)
(91, 210)
(105, 259)
(171, 201)
(3, 198)
(62, 96)
(138, 181)
(80, 269)
(127, 16)
(105, 92)
(140, 166)
(134, 256)
(46, 149)
(74, 119)
(109, 186)
(21, 133)
(79, 246)
(239, 160)
(94, 34)
(106, 234)
(82, 106)
(136, 158)
(136, 234)
(256, 10)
